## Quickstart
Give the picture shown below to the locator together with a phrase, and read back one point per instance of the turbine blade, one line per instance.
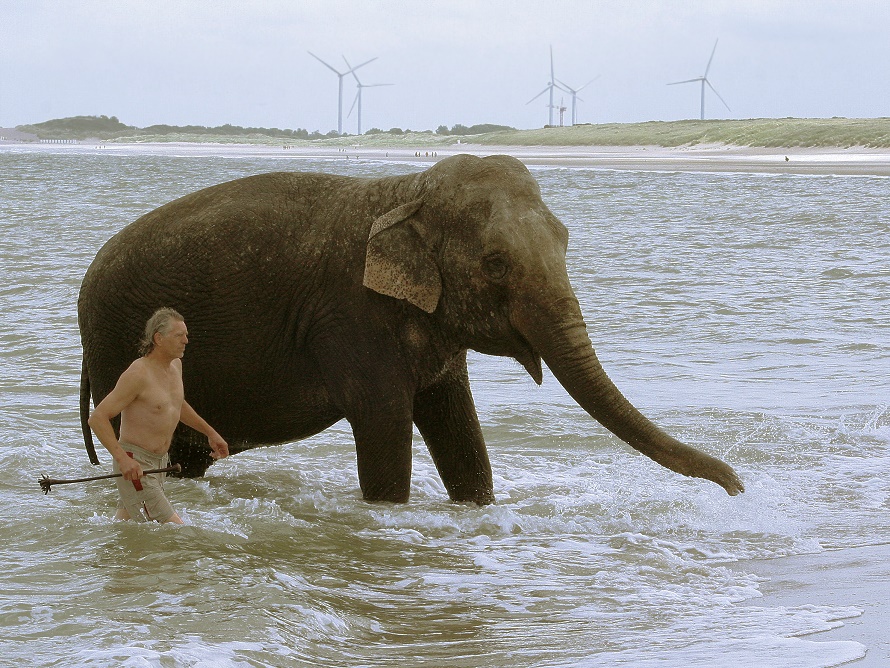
(588, 83)
(562, 85)
(324, 63)
(351, 71)
(552, 76)
(717, 94)
(538, 95)
(697, 79)
(710, 60)
(353, 105)
(363, 64)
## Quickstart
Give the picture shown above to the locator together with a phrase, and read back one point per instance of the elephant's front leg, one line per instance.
(368, 384)
(446, 417)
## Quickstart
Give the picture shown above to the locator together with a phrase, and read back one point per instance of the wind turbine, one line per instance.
(358, 96)
(704, 80)
(562, 110)
(340, 76)
(574, 92)
(550, 87)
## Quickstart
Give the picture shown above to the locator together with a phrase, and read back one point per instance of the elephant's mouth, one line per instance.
(529, 358)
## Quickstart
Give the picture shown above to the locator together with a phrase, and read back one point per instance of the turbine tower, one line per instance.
(340, 76)
(704, 80)
(550, 87)
(358, 96)
(575, 98)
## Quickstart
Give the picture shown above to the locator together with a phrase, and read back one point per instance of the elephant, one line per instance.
(313, 297)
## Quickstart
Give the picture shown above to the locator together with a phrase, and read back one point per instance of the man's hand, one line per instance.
(130, 468)
(219, 446)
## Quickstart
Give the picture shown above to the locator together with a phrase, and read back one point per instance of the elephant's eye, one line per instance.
(495, 266)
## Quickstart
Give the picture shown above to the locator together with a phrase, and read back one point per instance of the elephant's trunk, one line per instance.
(558, 334)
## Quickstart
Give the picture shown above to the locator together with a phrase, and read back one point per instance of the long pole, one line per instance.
(46, 483)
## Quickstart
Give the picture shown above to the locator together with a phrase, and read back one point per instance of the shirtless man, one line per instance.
(149, 398)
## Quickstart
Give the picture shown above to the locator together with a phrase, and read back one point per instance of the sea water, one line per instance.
(746, 314)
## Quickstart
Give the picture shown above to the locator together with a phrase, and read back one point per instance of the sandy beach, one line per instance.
(854, 161)
(857, 578)
(699, 158)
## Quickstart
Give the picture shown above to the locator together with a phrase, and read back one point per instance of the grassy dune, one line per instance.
(170, 137)
(759, 132)
(385, 140)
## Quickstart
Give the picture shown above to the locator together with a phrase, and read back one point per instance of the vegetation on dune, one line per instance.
(758, 132)
(233, 131)
(389, 139)
(479, 129)
(105, 128)
(376, 140)
(77, 127)
(182, 135)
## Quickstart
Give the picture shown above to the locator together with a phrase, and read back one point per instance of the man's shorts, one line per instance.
(144, 498)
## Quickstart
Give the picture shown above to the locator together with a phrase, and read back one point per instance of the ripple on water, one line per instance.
(738, 312)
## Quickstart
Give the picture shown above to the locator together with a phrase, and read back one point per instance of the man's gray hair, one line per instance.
(159, 322)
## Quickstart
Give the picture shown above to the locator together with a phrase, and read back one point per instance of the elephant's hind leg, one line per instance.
(189, 449)
(383, 450)
(446, 417)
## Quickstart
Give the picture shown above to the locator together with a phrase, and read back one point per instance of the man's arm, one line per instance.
(189, 417)
(124, 393)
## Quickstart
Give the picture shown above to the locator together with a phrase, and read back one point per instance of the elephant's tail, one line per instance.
(85, 413)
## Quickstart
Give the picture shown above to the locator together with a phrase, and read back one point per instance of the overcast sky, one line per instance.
(457, 61)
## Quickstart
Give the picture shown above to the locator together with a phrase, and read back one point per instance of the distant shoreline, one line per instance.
(755, 132)
(699, 158)
(834, 146)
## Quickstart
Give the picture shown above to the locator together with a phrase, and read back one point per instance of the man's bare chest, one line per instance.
(162, 393)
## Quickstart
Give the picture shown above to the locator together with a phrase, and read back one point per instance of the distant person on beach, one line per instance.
(149, 398)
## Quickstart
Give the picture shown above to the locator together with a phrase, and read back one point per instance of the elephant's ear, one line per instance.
(398, 263)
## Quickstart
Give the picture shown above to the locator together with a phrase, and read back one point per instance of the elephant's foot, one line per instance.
(481, 497)
(394, 494)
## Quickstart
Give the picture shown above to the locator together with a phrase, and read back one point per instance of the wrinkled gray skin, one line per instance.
(312, 297)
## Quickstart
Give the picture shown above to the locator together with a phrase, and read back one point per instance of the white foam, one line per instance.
(756, 650)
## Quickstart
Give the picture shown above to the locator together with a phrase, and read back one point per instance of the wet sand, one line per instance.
(704, 158)
(855, 577)
(700, 158)
(856, 161)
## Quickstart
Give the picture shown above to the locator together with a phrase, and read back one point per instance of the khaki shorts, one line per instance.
(144, 499)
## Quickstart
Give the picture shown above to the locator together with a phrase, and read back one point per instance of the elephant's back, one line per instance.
(229, 257)
(214, 231)
(261, 203)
